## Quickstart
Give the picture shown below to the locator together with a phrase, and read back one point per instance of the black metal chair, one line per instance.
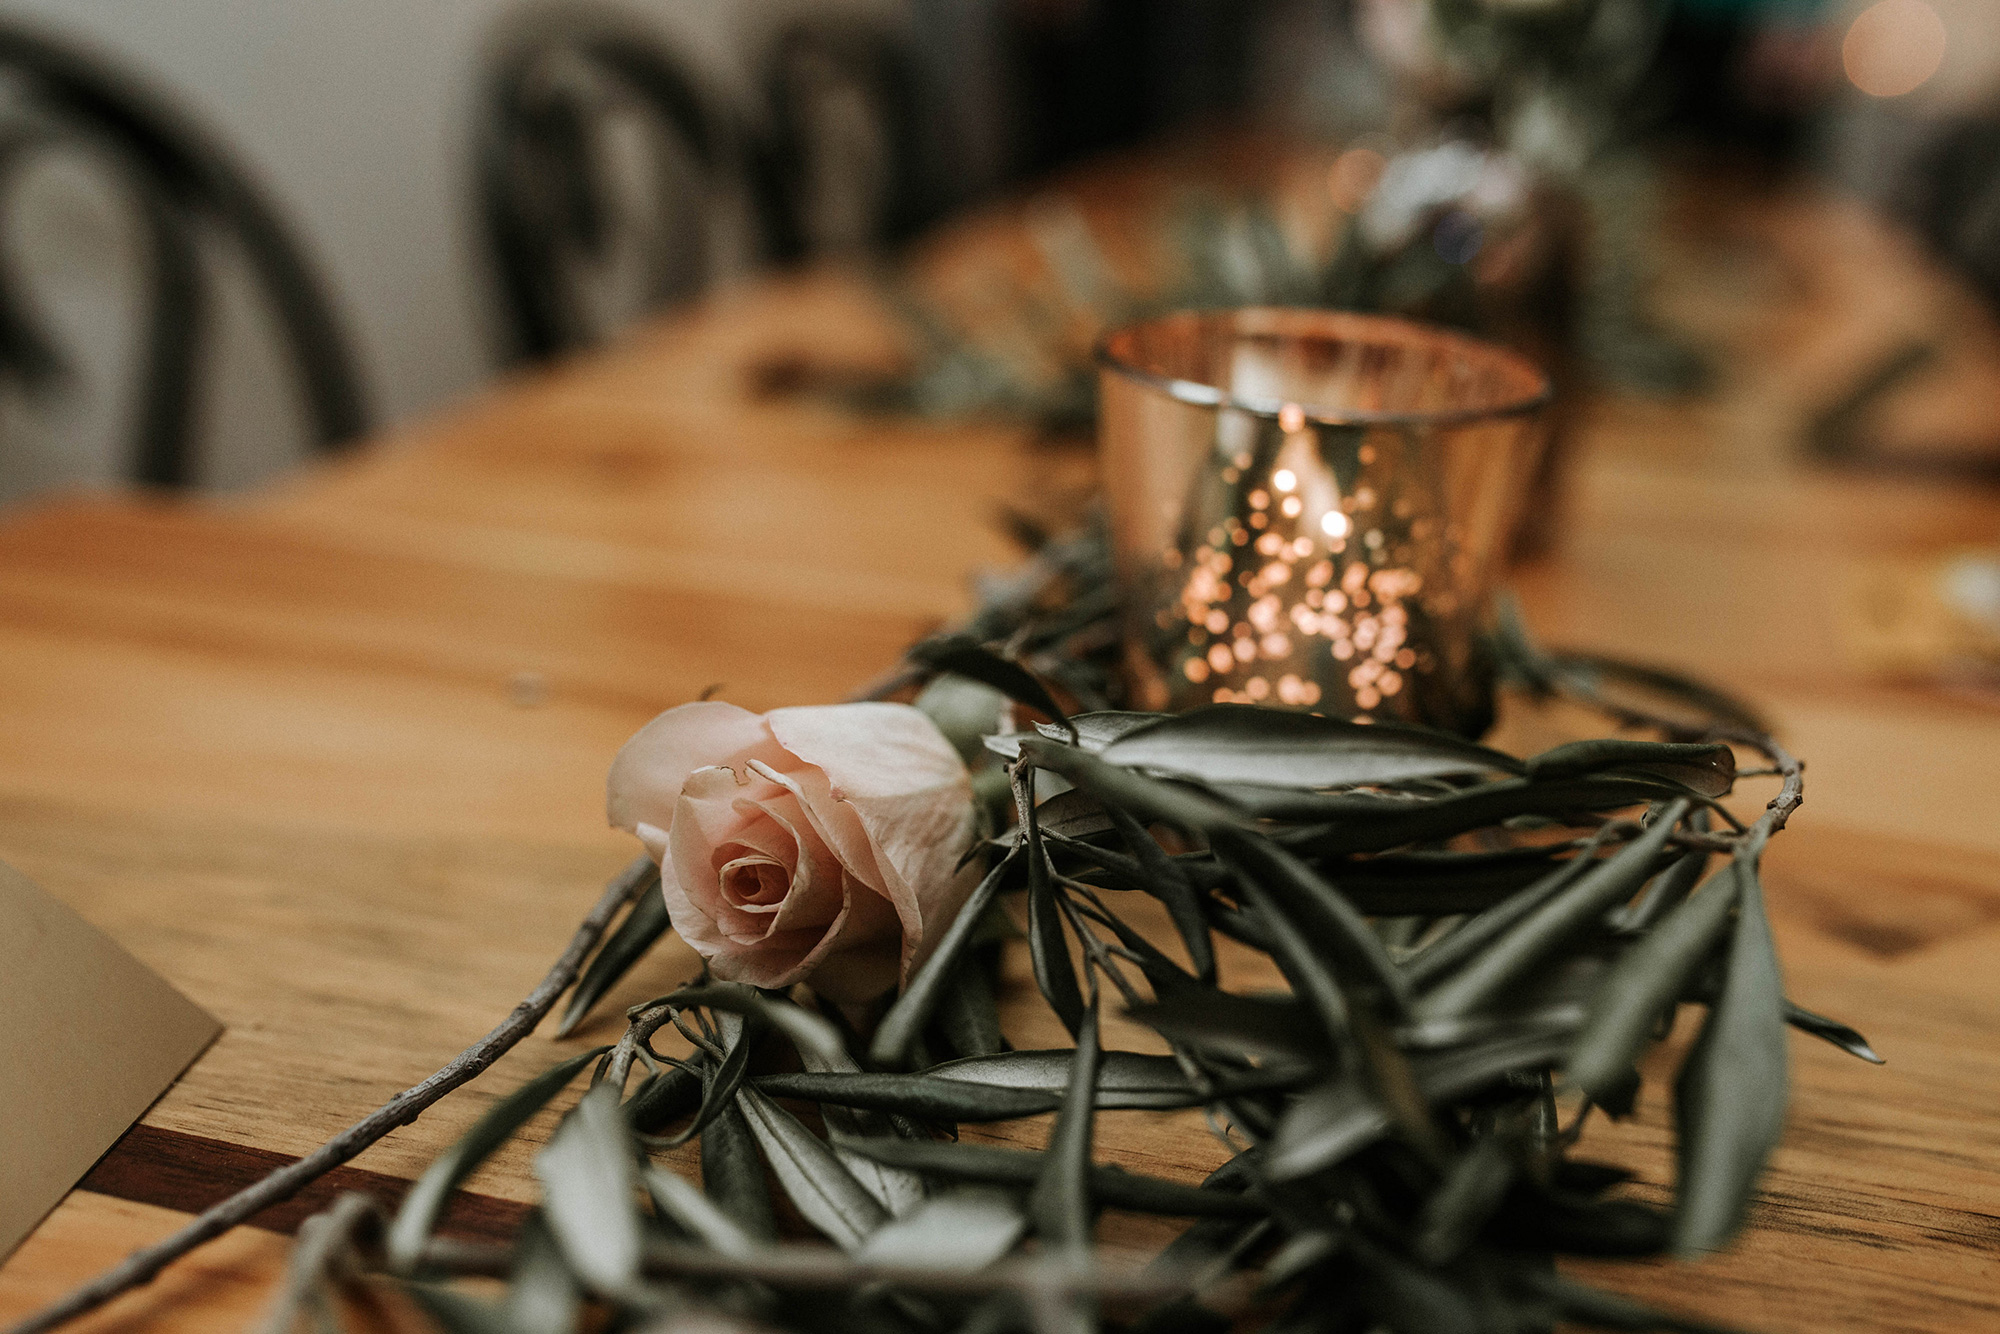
(184, 183)
(840, 165)
(548, 189)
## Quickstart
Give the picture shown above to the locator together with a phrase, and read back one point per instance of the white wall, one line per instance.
(356, 116)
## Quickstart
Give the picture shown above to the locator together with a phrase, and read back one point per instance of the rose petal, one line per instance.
(764, 837)
(707, 819)
(691, 923)
(816, 895)
(824, 853)
(722, 821)
(862, 952)
(854, 959)
(755, 883)
(781, 964)
(837, 824)
(655, 839)
(869, 750)
(890, 766)
(650, 770)
(710, 798)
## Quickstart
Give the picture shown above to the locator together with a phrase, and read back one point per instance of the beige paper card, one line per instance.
(89, 1036)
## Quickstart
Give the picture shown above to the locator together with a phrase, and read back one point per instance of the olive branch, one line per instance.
(1478, 949)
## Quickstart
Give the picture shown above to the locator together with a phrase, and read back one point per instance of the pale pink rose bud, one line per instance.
(806, 844)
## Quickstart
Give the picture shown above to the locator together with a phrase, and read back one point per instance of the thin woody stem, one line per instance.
(143, 1265)
(1783, 763)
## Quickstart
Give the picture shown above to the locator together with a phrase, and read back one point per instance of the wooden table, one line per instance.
(330, 757)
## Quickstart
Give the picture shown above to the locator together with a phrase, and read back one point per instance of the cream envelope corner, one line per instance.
(89, 1037)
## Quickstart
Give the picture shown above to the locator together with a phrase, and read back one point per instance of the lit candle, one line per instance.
(1308, 508)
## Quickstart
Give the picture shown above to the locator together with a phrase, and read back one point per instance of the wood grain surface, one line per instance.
(330, 756)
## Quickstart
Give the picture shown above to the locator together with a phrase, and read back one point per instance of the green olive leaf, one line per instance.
(964, 710)
(1532, 1216)
(1406, 1296)
(960, 1232)
(589, 1176)
(541, 1293)
(968, 1012)
(1113, 1187)
(1262, 1026)
(427, 1198)
(1667, 889)
(1072, 815)
(1095, 731)
(916, 1095)
(1437, 884)
(1465, 943)
(1048, 944)
(456, 1313)
(1145, 799)
(1311, 981)
(1322, 1128)
(898, 1192)
(1471, 1191)
(643, 925)
(1125, 1079)
(808, 1032)
(1525, 945)
(1168, 882)
(1317, 910)
(1060, 1203)
(819, 1185)
(1731, 1095)
(732, 1173)
(666, 1097)
(1332, 1121)
(906, 1018)
(1242, 743)
(928, 1096)
(1708, 768)
(701, 1217)
(1165, 975)
(1704, 699)
(967, 657)
(1832, 1030)
(740, 1030)
(1646, 982)
(1344, 823)
(1297, 1259)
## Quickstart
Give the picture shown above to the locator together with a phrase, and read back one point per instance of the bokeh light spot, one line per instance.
(1893, 47)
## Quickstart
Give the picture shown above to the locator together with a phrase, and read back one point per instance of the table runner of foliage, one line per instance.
(1478, 949)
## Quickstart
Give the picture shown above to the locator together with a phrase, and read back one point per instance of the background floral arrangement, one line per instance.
(1477, 949)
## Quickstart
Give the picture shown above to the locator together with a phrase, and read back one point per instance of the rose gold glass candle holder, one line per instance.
(1308, 508)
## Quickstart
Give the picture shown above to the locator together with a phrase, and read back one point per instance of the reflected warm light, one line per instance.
(1893, 47)
(1354, 177)
(1310, 558)
(1250, 625)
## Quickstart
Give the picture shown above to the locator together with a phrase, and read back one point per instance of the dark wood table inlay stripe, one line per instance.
(193, 1173)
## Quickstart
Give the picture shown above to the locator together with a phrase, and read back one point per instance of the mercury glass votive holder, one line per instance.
(1309, 508)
